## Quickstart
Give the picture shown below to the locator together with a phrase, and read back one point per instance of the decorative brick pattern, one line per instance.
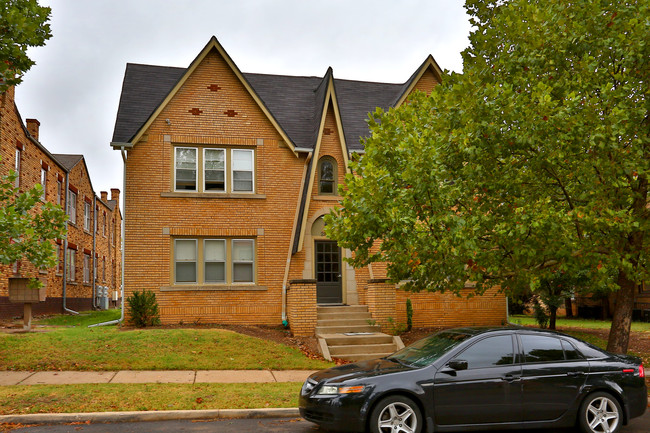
(230, 113)
(195, 111)
(214, 87)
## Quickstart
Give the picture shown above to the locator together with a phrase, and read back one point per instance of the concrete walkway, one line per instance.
(8, 378)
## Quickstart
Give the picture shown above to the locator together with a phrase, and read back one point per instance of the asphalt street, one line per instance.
(273, 425)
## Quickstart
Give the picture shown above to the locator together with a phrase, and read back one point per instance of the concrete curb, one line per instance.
(163, 415)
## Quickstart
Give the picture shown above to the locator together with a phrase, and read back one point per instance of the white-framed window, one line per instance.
(243, 260)
(59, 188)
(87, 217)
(242, 170)
(104, 268)
(214, 170)
(70, 264)
(72, 206)
(185, 168)
(185, 260)
(86, 268)
(44, 183)
(219, 170)
(214, 261)
(104, 227)
(17, 167)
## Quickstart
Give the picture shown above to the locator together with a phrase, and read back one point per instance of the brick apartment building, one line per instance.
(89, 257)
(228, 176)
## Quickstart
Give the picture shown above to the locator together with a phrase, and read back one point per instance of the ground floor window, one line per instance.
(213, 261)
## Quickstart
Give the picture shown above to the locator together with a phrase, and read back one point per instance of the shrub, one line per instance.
(143, 309)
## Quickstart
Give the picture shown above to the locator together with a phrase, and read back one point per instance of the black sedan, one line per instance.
(478, 379)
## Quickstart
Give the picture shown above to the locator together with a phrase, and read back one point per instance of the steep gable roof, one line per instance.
(68, 161)
(293, 102)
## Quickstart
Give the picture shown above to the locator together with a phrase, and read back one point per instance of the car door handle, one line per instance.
(575, 373)
(511, 377)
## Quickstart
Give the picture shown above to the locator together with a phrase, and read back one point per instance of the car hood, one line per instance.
(362, 369)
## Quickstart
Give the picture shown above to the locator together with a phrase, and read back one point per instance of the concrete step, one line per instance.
(342, 309)
(344, 315)
(347, 340)
(356, 349)
(346, 328)
(343, 322)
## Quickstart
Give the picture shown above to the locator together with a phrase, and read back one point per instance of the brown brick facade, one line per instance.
(212, 108)
(35, 162)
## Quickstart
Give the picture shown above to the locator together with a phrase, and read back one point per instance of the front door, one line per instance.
(328, 273)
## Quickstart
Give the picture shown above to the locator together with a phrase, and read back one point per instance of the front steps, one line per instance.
(347, 332)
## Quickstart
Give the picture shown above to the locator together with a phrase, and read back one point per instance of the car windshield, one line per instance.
(424, 352)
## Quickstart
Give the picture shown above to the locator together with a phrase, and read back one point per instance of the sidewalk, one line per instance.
(8, 378)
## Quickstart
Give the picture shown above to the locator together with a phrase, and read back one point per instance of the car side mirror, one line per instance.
(458, 364)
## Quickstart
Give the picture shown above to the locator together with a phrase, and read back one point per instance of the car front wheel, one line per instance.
(600, 413)
(396, 414)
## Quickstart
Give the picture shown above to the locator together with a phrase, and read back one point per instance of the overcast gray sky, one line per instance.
(74, 88)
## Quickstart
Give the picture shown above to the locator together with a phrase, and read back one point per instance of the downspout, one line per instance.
(94, 249)
(121, 319)
(285, 322)
(65, 251)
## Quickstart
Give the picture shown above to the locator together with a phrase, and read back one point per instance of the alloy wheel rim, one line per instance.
(397, 418)
(602, 415)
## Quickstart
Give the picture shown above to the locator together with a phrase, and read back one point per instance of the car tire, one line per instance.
(600, 412)
(396, 414)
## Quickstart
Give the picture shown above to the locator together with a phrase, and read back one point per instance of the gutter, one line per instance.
(124, 157)
(65, 250)
(285, 322)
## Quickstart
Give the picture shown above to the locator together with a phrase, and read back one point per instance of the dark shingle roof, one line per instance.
(68, 161)
(295, 102)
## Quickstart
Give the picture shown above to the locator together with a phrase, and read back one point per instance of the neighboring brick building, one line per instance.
(67, 183)
(228, 176)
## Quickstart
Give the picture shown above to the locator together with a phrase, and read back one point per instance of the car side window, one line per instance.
(489, 352)
(570, 352)
(541, 348)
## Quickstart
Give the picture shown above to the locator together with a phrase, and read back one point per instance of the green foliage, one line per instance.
(534, 160)
(23, 24)
(539, 312)
(409, 314)
(28, 226)
(143, 309)
(395, 328)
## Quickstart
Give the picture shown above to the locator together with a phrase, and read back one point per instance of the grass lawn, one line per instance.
(145, 397)
(73, 346)
(563, 322)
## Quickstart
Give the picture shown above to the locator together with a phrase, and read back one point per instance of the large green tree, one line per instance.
(23, 24)
(28, 226)
(534, 160)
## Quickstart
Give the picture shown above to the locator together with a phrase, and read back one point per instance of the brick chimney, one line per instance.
(104, 195)
(115, 194)
(33, 126)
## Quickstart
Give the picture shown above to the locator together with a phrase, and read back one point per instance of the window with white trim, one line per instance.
(86, 268)
(185, 171)
(214, 170)
(44, 183)
(72, 206)
(70, 264)
(87, 216)
(242, 170)
(213, 261)
(17, 167)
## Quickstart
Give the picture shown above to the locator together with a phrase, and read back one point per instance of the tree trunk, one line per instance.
(619, 333)
(553, 316)
(568, 306)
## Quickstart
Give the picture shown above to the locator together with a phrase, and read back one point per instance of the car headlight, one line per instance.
(335, 390)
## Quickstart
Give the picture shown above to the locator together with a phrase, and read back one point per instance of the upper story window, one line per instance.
(72, 206)
(213, 170)
(59, 188)
(44, 182)
(17, 166)
(327, 174)
(87, 216)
